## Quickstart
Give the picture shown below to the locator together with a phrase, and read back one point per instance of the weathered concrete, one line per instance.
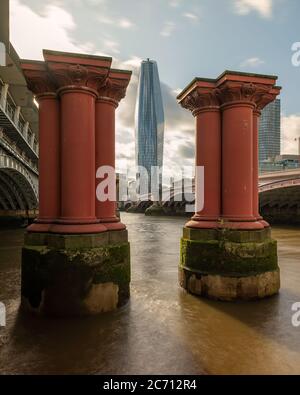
(229, 264)
(75, 274)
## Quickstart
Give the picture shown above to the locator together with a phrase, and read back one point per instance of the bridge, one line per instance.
(18, 142)
(279, 194)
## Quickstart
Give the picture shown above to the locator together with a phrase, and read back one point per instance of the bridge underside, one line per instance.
(281, 205)
(17, 197)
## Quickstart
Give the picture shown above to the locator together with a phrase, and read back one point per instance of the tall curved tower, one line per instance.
(149, 118)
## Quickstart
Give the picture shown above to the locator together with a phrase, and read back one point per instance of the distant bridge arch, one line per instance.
(19, 186)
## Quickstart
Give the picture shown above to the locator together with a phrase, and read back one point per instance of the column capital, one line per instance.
(265, 96)
(199, 97)
(237, 88)
(114, 89)
(38, 78)
(77, 72)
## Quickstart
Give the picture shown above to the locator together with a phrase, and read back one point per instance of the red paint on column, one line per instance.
(208, 155)
(105, 156)
(49, 153)
(77, 163)
(109, 97)
(38, 81)
(237, 163)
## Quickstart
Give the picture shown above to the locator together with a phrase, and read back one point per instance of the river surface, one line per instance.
(163, 329)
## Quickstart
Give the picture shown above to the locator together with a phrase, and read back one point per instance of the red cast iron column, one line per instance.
(41, 84)
(78, 77)
(201, 99)
(108, 100)
(239, 94)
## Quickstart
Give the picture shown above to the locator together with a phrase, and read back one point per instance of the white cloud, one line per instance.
(191, 16)
(110, 46)
(168, 29)
(290, 129)
(30, 42)
(252, 62)
(126, 23)
(175, 3)
(123, 23)
(263, 7)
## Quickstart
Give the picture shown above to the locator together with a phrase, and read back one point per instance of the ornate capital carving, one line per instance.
(38, 78)
(259, 95)
(69, 74)
(115, 86)
(264, 96)
(199, 99)
(235, 91)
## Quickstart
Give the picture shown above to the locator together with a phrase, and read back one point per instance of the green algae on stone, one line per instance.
(228, 258)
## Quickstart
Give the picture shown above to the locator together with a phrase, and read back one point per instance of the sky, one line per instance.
(187, 38)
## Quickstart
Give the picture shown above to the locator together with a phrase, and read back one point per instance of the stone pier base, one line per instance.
(229, 264)
(69, 275)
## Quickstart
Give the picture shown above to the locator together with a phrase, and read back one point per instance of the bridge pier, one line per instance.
(227, 252)
(72, 263)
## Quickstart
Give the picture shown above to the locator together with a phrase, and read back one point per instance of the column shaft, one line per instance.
(77, 163)
(49, 162)
(208, 155)
(105, 156)
(237, 164)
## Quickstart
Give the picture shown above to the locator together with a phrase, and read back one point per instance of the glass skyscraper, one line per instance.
(269, 131)
(149, 118)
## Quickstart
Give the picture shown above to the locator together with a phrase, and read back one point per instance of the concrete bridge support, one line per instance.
(227, 252)
(73, 261)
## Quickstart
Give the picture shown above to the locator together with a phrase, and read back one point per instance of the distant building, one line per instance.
(149, 122)
(269, 132)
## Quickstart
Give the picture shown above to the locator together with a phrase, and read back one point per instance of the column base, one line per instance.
(37, 227)
(77, 228)
(112, 223)
(75, 275)
(112, 226)
(226, 264)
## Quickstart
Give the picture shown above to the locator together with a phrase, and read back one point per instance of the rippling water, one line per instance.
(162, 329)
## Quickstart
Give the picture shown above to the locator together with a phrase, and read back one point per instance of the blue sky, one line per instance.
(187, 38)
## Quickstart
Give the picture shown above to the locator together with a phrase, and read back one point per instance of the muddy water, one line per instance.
(162, 329)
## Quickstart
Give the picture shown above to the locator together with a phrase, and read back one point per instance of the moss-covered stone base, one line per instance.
(229, 264)
(69, 275)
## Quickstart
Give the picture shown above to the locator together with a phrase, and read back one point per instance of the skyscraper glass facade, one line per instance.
(149, 118)
(269, 131)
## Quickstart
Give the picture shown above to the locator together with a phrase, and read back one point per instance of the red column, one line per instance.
(256, 116)
(201, 99)
(49, 145)
(240, 94)
(237, 165)
(77, 78)
(106, 104)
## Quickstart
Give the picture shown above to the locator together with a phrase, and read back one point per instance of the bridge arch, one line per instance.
(19, 188)
(280, 201)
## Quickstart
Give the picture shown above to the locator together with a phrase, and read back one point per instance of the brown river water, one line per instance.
(163, 330)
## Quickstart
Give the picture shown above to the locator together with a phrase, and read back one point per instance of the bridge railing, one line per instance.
(9, 107)
(9, 145)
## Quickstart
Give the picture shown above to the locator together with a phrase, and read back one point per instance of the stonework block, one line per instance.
(229, 265)
(76, 275)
